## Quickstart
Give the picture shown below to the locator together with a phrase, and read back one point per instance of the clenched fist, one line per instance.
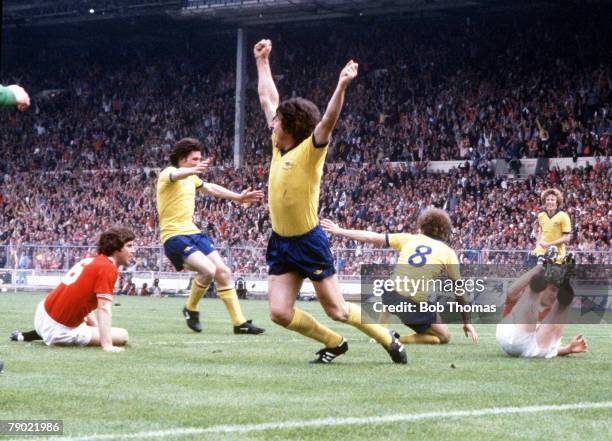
(262, 49)
(348, 73)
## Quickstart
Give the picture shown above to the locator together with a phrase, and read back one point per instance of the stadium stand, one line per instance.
(88, 152)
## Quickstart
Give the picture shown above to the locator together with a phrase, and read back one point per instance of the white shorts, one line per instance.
(54, 333)
(518, 343)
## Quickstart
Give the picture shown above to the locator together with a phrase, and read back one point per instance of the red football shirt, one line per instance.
(77, 295)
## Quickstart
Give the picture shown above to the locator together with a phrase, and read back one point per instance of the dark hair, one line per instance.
(435, 223)
(183, 148)
(299, 117)
(114, 239)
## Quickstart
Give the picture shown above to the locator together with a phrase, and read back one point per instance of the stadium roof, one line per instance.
(24, 13)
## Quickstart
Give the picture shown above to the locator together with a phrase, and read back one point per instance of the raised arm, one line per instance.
(517, 288)
(359, 235)
(323, 130)
(268, 95)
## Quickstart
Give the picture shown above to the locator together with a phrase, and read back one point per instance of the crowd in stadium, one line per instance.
(421, 95)
(88, 152)
(488, 212)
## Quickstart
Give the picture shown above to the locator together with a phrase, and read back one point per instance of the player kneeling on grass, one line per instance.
(422, 257)
(536, 309)
(66, 316)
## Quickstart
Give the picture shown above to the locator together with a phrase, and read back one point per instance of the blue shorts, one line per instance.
(309, 255)
(178, 248)
(418, 321)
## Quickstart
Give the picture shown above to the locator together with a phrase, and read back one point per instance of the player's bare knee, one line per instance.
(444, 338)
(203, 280)
(120, 336)
(223, 275)
(337, 313)
(206, 273)
(281, 316)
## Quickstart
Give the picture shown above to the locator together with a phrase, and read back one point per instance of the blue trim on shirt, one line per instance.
(318, 146)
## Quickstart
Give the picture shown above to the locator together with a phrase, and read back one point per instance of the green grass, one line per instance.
(171, 378)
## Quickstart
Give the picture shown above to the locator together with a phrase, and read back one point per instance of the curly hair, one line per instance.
(114, 239)
(555, 192)
(183, 148)
(299, 117)
(435, 223)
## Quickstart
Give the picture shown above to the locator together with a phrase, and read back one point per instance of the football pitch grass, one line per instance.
(173, 384)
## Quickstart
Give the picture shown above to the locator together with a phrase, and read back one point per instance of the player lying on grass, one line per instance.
(536, 309)
(66, 315)
(298, 248)
(422, 257)
(184, 244)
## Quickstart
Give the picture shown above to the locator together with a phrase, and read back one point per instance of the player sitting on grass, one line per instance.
(422, 257)
(184, 244)
(65, 316)
(536, 309)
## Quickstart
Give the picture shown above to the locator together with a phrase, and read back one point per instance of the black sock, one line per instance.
(31, 335)
(538, 283)
(565, 294)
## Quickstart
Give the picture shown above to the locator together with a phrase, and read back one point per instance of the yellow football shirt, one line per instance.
(293, 187)
(552, 229)
(421, 258)
(176, 204)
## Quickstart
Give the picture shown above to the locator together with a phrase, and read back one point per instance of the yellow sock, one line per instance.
(308, 326)
(197, 291)
(377, 332)
(420, 339)
(230, 298)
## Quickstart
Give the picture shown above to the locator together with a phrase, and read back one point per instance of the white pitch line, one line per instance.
(331, 422)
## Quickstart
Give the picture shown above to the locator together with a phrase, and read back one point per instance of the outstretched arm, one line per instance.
(268, 95)
(323, 130)
(359, 235)
(576, 346)
(244, 197)
(183, 172)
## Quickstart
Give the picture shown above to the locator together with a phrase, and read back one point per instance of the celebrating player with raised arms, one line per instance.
(298, 247)
(184, 244)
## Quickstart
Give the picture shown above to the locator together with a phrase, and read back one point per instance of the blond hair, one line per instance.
(552, 191)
